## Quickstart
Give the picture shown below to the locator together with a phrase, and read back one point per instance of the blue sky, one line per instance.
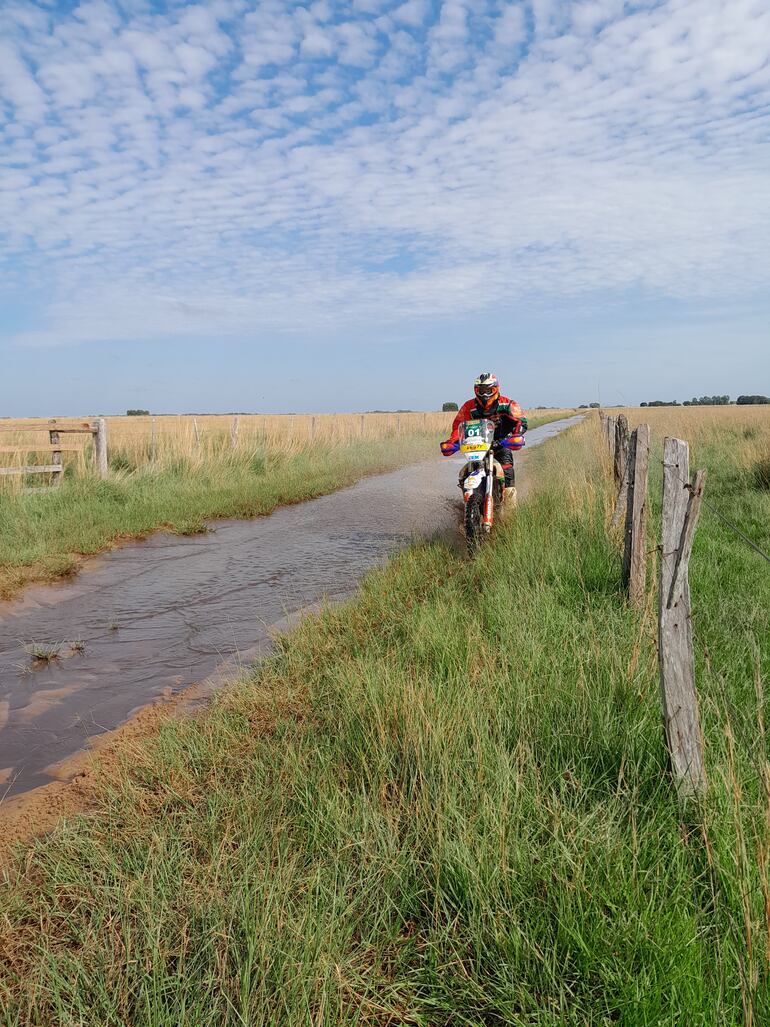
(267, 205)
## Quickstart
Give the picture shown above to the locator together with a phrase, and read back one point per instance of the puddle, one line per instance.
(157, 616)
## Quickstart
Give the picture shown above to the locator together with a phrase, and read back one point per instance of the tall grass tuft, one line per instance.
(762, 473)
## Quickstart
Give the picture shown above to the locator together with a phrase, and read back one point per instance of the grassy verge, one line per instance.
(43, 537)
(444, 803)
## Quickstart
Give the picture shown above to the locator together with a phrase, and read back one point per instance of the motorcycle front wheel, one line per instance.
(474, 522)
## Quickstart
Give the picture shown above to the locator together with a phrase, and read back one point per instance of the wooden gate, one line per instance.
(54, 448)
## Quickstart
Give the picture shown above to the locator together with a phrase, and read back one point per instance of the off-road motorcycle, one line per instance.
(482, 478)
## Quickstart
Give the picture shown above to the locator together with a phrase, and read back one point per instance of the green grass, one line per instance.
(445, 803)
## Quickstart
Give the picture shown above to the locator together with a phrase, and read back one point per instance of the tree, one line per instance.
(752, 400)
(449, 406)
(137, 413)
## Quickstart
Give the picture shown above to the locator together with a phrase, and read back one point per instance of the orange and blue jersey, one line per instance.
(507, 417)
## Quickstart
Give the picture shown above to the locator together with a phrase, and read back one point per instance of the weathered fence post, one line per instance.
(312, 427)
(234, 431)
(679, 700)
(634, 550)
(152, 438)
(608, 430)
(398, 424)
(620, 469)
(620, 448)
(100, 446)
(362, 425)
(56, 459)
(612, 432)
(197, 433)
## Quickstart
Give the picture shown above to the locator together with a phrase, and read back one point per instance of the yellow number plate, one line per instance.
(473, 447)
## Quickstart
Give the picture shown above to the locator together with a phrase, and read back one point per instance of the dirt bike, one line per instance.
(482, 478)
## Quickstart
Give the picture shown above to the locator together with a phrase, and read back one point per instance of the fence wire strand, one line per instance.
(725, 520)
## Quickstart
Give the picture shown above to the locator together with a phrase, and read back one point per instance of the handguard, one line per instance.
(513, 442)
(449, 447)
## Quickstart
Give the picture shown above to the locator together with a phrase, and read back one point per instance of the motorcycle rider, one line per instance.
(507, 417)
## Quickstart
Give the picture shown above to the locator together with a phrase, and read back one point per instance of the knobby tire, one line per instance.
(474, 522)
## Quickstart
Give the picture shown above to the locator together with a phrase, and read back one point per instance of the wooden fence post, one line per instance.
(312, 427)
(197, 433)
(56, 458)
(100, 446)
(620, 465)
(679, 700)
(608, 430)
(362, 425)
(234, 431)
(152, 438)
(620, 448)
(634, 550)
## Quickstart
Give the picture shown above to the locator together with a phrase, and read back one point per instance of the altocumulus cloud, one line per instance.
(228, 165)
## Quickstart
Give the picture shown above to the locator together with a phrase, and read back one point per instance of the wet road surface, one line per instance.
(153, 617)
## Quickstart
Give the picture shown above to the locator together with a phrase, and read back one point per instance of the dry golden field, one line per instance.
(744, 430)
(135, 442)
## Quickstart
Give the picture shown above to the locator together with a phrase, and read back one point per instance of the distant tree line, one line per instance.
(707, 401)
(137, 413)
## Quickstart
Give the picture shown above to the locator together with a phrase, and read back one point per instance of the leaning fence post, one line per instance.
(634, 550)
(679, 699)
(100, 446)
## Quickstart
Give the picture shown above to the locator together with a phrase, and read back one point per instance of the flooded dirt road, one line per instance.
(151, 618)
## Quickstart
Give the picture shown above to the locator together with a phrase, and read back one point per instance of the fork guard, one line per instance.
(467, 468)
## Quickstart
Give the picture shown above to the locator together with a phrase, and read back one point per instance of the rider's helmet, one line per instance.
(487, 391)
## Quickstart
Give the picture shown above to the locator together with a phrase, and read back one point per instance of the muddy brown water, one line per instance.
(151, 618)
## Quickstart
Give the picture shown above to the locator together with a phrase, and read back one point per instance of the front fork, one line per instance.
(489, 498)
